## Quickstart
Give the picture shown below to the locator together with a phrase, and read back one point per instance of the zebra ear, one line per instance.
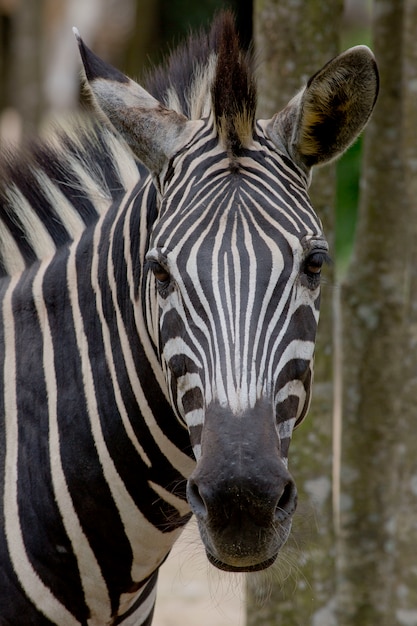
(153, 132)
(326, 117)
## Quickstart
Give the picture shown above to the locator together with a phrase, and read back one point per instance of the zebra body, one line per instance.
(64, 392)
(157, 364)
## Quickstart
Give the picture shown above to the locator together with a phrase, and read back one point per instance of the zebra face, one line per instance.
(236, 271)
(236, 253)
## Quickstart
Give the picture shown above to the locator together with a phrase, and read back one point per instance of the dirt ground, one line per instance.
(193, 593)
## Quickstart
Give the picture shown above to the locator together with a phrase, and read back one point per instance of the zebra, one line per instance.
(159, 302)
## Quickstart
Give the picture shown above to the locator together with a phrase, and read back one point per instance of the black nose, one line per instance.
(287, 502)
(243, 520)
(262, 500)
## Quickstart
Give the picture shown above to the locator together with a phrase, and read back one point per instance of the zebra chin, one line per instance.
(241, 492)
(241, 568)
(233, 557)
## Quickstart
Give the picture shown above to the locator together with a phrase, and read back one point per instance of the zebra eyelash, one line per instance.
(164, 283)
(318, 257)
(161, 274)
(313, 265)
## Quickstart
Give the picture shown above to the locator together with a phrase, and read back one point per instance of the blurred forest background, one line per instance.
(352, 558)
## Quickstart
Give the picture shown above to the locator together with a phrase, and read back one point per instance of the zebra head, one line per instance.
(235, 255)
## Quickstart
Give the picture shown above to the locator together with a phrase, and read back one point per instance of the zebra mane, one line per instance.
(211, 73)
(52, 190)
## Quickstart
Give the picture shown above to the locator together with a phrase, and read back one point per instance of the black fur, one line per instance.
(95, 68)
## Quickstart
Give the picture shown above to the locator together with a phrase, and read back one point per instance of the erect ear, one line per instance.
(153, 132)
(326, 117)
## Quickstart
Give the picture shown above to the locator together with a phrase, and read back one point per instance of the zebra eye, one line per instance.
(160, 273)
(313, 265)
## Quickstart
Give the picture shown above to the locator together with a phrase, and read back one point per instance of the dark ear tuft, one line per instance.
(94, 67)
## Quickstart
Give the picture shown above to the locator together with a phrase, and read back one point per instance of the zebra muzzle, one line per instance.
(241, 491)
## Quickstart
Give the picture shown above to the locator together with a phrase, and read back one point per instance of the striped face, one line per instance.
(236, 256)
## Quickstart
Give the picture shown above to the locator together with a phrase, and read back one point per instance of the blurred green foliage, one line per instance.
(199, 14)
(347, 198)
(180, 17)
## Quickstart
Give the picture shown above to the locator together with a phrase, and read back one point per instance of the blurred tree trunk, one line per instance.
(378, 566)
(26, 93)
(293, 40)
(406, 527)
(3, 39)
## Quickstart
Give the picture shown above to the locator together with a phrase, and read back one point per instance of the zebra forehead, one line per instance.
(244, 214)
(265, 191)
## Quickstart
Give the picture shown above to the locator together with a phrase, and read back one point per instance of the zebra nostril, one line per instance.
(287, 502)
(195, 499)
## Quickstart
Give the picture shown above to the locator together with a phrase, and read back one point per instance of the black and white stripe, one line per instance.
(249, 237)
(149, 321)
